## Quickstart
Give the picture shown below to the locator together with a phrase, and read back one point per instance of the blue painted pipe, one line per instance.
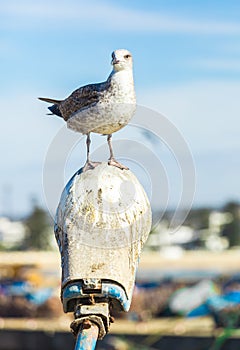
(87, 336)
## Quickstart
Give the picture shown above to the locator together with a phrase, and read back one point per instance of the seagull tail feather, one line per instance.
(54, 109)
(49, 100)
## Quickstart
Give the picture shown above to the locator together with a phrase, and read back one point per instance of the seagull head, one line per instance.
(121, 59)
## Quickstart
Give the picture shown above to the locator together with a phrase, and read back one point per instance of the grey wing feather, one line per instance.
(82, 97)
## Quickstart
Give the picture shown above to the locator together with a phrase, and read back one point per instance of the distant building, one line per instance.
(11, 232)
(213, 239)
(162, 236)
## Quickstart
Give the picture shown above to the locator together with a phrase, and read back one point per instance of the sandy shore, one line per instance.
(222, 261)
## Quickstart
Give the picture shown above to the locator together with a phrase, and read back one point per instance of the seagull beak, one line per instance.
(115, 61)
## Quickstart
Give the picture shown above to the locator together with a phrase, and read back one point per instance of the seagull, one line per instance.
(102, 108)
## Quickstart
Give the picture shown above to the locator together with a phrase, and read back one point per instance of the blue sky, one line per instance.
(186, 67)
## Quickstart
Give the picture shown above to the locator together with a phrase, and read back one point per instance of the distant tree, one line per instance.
(198, 218)
(231, 230)
(38, 232)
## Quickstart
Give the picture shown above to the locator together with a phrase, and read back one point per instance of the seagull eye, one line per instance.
(127, 56)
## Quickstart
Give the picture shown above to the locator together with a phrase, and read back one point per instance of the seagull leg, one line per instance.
(112, 160)
(89, 165)
(88, 142)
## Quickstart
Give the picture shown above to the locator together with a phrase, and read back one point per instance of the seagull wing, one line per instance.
(83, 97)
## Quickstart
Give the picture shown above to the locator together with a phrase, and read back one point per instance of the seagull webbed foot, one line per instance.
(114, 162)
(90, 166)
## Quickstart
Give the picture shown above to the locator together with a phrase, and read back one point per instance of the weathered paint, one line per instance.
(116, 292)
(87, 337)
(102, 223)
(109, 290)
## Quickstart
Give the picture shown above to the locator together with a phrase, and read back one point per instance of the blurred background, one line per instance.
(186, 68)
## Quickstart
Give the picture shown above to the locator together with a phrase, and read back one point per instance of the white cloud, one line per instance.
(25, 129)
(206, 112)
(26, 133)
(105, 15)
(6, 48)
(229, 47)
(53, 10)
(229, 65)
